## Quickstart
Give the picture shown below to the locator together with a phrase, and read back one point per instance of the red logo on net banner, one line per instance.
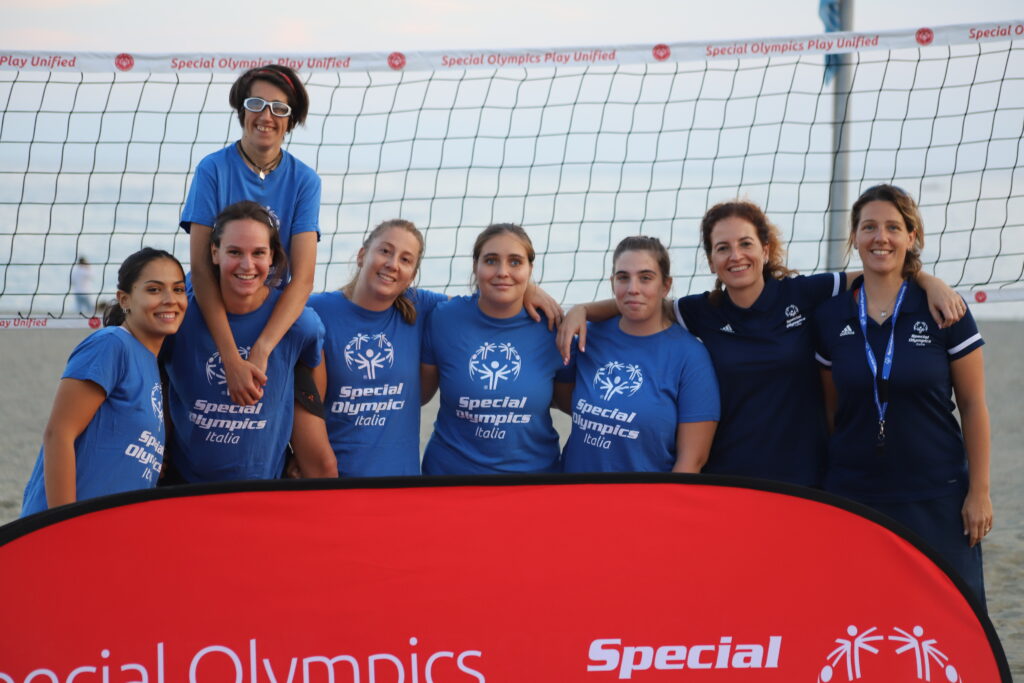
(124, 62)
(396, 60)
(559, 582)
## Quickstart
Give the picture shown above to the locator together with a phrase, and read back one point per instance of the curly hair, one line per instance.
(767, 233)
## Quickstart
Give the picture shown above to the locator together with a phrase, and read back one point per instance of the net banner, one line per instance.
(635, 577)
(440, 60)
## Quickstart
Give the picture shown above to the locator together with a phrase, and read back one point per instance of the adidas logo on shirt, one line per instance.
(847, 331)
(727, 328)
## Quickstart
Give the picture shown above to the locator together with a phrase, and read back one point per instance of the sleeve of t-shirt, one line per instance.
(698, 387)
(100, 358)
(823, 286)
(685, 308)
(201, 203)
(822, 350)
(963, 337)
(426, 300)
(307, 205)
(312, 333)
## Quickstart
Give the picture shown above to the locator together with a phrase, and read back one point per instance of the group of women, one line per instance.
(751, 381)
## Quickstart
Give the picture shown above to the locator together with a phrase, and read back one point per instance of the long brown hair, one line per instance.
(907, 207)
(767, 233)
(403, 304)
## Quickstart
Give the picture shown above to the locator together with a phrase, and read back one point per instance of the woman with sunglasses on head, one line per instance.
(890, 374)
(270, 100)
(757, 326)
(106, 430)
(215, 439)
(496, 368)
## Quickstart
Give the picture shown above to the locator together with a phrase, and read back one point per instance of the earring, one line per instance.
(126, 311)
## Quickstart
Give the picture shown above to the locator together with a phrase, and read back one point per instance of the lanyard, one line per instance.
(862, 314)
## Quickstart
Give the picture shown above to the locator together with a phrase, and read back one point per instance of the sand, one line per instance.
(31, 362)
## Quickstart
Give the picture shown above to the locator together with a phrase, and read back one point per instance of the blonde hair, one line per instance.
(403, 304)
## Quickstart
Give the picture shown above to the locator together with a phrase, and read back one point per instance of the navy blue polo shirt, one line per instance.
(924, 454)
(773, 422)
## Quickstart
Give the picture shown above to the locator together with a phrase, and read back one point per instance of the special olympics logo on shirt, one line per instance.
(156, 401)
(846, 658)
(614, 378)
(492, 363)
(369, 353)
(215, 368)
(920, 327)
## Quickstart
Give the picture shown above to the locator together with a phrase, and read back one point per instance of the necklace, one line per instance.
(264, 170)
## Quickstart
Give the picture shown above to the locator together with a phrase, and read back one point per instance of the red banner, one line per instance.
(647, 578)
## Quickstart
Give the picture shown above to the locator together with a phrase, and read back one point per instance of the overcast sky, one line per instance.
(361, 26)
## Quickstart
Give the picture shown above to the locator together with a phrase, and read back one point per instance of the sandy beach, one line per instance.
(32, 361)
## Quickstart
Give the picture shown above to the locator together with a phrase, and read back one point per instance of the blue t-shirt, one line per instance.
(373, 383)
(924, 455)
(773, 420)
(215, 439)
(496, 381)
(122, 448)
(291, 191)
(630, 396)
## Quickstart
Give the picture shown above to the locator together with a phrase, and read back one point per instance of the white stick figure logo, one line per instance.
(850, 650)
(156, 402)
(924, 652)
(614, 378)
(792, 311)
(492, 363)
(215, 368)
(369, 353)
(920, 327)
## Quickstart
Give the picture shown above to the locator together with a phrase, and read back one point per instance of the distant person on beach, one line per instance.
(890, 374)
(215, 439)
(270, 101)
(81, 286)
(645, 398)
(106, 429)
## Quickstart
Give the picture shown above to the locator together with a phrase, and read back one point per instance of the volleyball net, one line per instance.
(582, 146)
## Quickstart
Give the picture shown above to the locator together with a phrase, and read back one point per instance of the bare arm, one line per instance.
(575, 324)
(561, 397)
(969, 386)
(946, 306)
(245, 380)
(429, 380)
(302, 266)
(693, 444)
(74, 406)
(536, 299)
(314, 456)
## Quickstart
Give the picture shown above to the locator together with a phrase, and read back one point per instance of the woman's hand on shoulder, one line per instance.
(946, 306)
(536, 300)
(574, 324)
